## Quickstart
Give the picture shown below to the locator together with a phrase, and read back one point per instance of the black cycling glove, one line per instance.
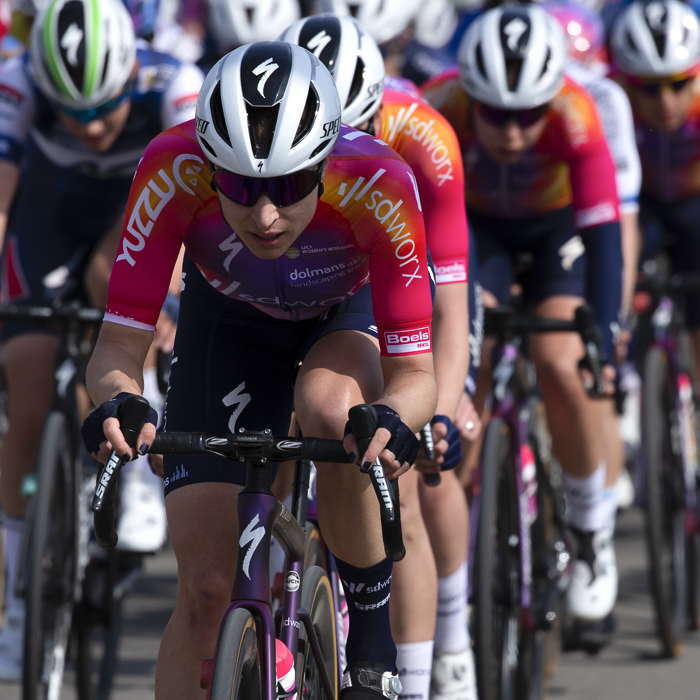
(91, 430)
(403, 442)
(453, 455)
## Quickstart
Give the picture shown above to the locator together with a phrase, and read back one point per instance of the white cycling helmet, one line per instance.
(352, 57)
(513, 57)
(435, 23)
(268, 109)
(383, 19)
(657, 38)
(238, 22)
(83, 51)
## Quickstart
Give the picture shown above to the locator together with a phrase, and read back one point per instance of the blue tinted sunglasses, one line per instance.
(89, 115)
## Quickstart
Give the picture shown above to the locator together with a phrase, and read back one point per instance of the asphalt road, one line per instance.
(629, 669)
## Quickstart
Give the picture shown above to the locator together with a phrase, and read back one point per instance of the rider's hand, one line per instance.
(608, 374)
(447, 447)
(402, 444)
(101, 431)
(468, 419)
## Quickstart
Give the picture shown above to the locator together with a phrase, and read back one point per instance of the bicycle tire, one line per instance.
(315, 551)
(98, 623)
(665, 515)
(237, 666)
(52, 585)
(317, 598)
(497, 581)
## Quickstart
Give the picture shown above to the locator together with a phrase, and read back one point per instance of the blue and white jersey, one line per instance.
(165, 94)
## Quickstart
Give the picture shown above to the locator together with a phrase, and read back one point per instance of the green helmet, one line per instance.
(83, 51)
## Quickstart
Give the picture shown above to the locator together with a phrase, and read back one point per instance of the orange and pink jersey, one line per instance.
(425, 140)
(368, 223)
(569, 165)
(671, 160)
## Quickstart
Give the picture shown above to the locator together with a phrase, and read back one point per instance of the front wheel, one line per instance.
(317, 598)
(497, 571)
(51, 564)
(665, 511)
(237, 665)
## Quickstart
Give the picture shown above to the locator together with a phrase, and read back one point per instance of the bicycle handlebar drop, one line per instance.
(257, 448)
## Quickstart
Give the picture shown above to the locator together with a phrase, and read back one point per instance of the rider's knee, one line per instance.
(205, 595)
(558, 373)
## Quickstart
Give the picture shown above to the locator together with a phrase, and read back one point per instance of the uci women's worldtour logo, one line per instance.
(144, 214)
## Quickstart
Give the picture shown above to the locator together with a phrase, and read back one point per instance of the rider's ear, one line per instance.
(320, 190)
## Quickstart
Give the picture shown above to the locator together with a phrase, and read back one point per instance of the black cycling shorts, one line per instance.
(54, 227)
(558, 255)
(234, 366)
(675, 226)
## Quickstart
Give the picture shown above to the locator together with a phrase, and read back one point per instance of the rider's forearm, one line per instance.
(9, 180)
(117, 362)
(631, 248)
(450, 345)
(409, 388)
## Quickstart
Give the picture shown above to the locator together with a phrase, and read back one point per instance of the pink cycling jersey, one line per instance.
(569, 164)
(367, 223)
(424, 138)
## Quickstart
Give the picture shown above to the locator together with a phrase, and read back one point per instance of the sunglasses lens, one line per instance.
(522, 117)
(654, 89)
(283, 191)
(88, 115)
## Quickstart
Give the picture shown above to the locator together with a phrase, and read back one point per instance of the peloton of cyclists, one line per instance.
(427, 143)
(539, 178)
(76, 113)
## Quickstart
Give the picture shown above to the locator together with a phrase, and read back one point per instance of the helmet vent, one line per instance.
(547, 59)
(660, 41)
(319, 148)
(106, 67)
(631, 42)
(217, 114)
(72, 43)
(249, 14)
(207, 145)
(262, 125)
(357, 81)
(308, 116)
(513, 68)
(480, 61)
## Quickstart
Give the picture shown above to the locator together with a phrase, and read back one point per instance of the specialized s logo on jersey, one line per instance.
(267, 68)
(71, 43)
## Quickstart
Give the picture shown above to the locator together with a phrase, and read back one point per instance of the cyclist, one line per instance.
(539, 178)
(73, 125)
(285, 214)
(656, 49)
(585, 35)
(427, 143)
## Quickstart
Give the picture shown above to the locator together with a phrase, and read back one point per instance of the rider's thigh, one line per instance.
(203, 526)
(99, 267)
(556, 355)
(341, 370)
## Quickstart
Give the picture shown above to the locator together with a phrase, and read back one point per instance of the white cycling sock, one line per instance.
(590, 505)
(415, 662)
(451, 631)
(14, 528)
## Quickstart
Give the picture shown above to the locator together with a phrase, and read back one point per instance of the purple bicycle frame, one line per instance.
(259, 515)
(505, 406)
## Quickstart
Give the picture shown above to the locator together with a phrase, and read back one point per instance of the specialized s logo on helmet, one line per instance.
(71, 41)
(317, 43)
(656, 15)
(267, 68)
(514, 31)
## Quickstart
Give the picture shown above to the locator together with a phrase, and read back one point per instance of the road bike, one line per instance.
(667, 466)
(518, 557)
(243, 665)
(73, 599)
